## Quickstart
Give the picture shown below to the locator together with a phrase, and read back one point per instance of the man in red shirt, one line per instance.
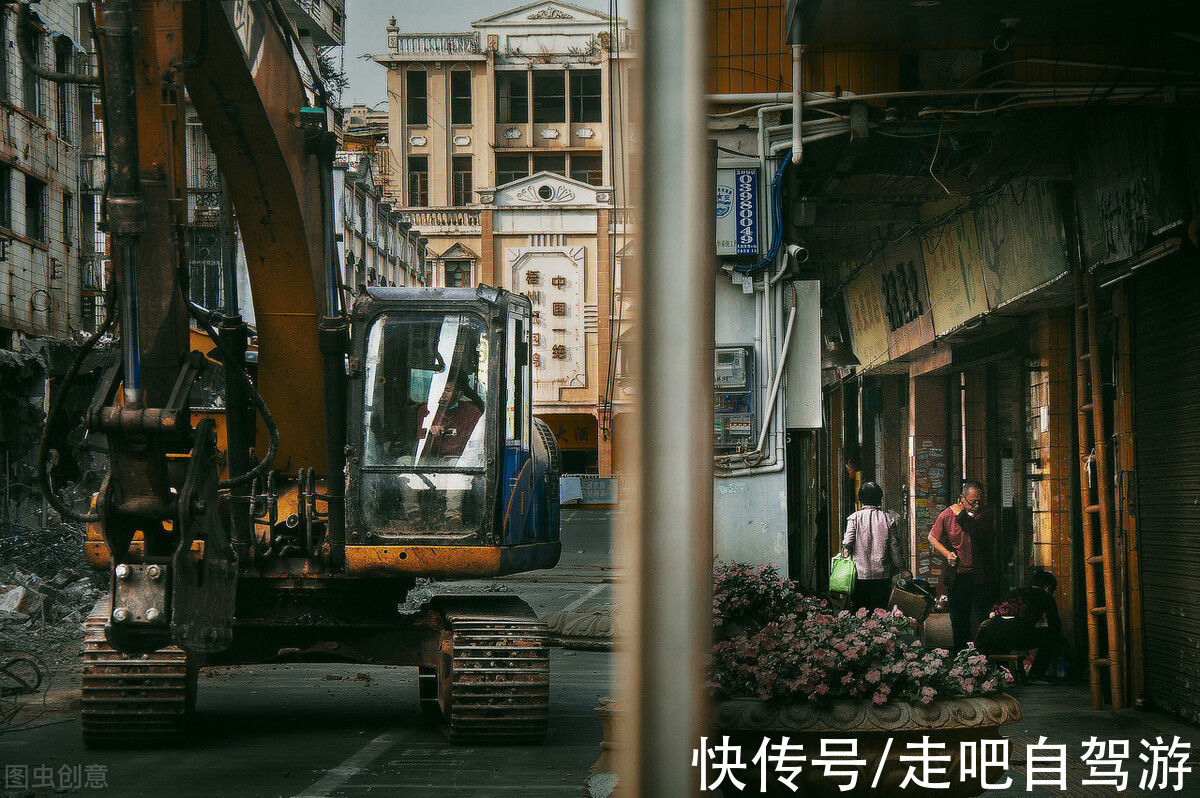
(964, 534)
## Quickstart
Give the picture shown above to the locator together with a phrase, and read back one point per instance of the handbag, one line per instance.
(842, 575)
(913, 597)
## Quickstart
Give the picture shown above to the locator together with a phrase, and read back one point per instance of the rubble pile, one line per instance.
(46, 591)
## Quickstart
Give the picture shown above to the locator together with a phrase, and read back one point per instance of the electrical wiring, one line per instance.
(199, 314)
(933, 160)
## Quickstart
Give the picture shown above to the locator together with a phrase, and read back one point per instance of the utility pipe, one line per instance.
(797, 105)
(826, 134)
(814, 98)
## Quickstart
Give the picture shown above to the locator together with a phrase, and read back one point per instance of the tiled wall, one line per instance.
(40, 279)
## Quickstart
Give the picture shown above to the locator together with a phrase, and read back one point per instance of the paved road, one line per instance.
(347, 730)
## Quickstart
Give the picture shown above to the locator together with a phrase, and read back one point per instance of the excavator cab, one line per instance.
(448, 473)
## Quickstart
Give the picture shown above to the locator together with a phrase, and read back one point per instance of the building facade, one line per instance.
(45, 208)
(378, 246)
(504, 149)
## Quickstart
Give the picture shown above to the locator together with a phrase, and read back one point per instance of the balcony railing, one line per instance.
(430, 218)
(437, 43)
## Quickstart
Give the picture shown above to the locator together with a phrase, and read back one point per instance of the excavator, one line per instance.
(385, 436)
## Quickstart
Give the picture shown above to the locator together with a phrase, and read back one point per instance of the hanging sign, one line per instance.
(736, 206)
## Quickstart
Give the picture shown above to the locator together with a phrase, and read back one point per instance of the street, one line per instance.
(349, 730)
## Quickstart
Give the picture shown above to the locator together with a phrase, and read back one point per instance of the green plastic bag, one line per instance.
(842, 575)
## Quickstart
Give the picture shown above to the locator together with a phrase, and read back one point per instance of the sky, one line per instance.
(367, 19)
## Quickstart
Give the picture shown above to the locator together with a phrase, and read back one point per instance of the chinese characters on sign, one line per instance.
(930, 765)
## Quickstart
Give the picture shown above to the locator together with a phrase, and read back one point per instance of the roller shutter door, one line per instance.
(1166, 391)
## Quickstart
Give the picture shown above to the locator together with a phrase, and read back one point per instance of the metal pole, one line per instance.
(672, 568)
(334, 341)
(239, 424)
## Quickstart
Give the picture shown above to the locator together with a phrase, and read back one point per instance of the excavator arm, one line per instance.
(175, 563)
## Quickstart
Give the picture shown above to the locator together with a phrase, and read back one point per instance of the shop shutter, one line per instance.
(1166, 384)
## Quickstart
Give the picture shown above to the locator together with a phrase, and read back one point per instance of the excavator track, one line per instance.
(133, 700)
(494, 679)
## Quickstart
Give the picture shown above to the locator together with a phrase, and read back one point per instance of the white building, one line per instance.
(377, 246)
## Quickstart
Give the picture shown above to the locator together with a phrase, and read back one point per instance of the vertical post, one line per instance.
(672, 566)
(334, 340)
(239, 425)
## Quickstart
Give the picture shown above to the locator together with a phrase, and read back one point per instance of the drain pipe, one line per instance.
(797, 105)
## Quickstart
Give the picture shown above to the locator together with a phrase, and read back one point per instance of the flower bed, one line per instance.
(785, 664)
(774, 643)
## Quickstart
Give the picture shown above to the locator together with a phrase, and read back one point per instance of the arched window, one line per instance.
(460, 95)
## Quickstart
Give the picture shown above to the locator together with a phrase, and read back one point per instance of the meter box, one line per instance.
(735, 421)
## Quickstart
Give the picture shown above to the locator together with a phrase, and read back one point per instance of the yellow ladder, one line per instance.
(1106, 651)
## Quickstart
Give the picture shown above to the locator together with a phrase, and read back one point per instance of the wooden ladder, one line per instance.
(1106, 650)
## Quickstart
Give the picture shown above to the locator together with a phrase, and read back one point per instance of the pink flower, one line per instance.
(873, 675)
(878, 698)
(927, 694)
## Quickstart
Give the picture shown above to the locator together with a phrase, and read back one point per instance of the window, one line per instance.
(68, 220)
(550, 163)
(62, 64)
(416, 108)
(35, 209)
(461, 193)
(549, 100)
(204, 266)
(510, 168)
(460, 96)
(512, 98)
(426, 391)
(5, 195)
(418, 181)
(588, 169)
(31, 83)
(458, 274)
(585, 95)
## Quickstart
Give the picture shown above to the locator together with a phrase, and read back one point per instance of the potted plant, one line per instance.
(786, 664)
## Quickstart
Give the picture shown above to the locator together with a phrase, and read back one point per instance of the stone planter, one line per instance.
(949, 721)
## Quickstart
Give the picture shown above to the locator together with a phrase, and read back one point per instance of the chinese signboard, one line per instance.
(737, 211)
(954, 272)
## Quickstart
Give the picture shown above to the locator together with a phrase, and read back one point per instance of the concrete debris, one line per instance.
(46, 591)
(21, 600)
(44, 602)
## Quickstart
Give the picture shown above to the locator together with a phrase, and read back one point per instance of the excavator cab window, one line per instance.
(425, 417)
